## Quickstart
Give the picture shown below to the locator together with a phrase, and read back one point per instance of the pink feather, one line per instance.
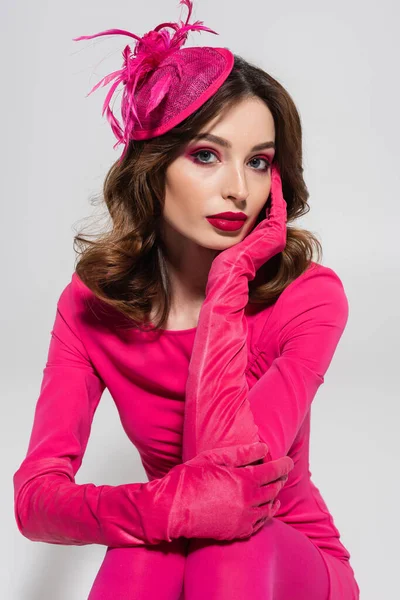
(148, 52)
(158, 91)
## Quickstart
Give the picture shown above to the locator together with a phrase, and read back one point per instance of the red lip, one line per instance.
(226, 224)
(230, 216)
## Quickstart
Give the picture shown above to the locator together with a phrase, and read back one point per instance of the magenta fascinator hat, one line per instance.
(163, 82)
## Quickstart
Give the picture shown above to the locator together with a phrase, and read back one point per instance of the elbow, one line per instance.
(22, 511)
(35, 484)
(30, 509)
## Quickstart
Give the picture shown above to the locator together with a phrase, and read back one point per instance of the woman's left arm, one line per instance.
(220, 410)
(311, 316)
(217, 411)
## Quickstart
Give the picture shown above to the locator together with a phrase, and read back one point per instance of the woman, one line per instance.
(212, 334)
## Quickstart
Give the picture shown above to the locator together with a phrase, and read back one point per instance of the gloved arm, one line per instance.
(51, 507)
(312, 313)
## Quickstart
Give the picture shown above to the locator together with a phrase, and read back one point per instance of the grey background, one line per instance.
(339, 61)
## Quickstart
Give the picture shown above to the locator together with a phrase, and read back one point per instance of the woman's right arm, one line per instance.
(50, 507)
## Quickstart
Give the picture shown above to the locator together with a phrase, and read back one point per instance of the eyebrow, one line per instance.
(223, 142)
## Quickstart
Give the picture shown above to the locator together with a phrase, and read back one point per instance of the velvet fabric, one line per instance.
(217, 410)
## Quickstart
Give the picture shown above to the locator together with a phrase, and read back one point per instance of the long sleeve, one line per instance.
(49, 506)
(310, 317)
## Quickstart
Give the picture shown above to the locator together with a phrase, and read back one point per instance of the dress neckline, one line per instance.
(177, 331)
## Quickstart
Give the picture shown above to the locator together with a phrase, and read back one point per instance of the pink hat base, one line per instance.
(163, 84)
(204, 71)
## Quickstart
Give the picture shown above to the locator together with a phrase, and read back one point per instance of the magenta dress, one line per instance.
(297, 555)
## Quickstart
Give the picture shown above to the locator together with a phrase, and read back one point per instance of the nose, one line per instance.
(236, 185)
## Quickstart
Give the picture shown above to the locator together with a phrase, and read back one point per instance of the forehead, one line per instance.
(250, 117)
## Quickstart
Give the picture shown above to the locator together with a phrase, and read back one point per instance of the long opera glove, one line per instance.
(313, 311)
(217, 411)
(51, 507)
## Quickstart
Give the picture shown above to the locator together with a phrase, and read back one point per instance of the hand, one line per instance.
(263, 242)
(220, 495)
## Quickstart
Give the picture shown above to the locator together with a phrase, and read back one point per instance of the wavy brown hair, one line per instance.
(125, 266)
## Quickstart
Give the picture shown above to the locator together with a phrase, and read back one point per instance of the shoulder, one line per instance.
(74, 301)
(318, 285)
(90, 314)
(315, 298)
(73, 295)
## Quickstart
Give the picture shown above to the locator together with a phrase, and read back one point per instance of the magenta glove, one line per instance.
(217, 411)
(210, 496)
(215, 497)
(306, 325)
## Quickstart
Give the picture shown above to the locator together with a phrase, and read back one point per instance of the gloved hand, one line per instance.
(217, 494)
(260, 245)
(220, 495)
(217, 411)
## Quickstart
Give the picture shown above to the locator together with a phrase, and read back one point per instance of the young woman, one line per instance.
(204, 315)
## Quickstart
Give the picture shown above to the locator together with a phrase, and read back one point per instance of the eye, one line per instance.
(268, 164)
(196, 156)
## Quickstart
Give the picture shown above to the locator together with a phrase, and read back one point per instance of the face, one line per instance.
(230, 174)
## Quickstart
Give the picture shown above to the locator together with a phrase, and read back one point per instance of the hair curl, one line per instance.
(125, 267)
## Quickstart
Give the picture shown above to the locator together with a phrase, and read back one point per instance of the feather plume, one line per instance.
(148, 52)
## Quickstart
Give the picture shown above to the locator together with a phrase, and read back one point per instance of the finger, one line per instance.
(266, 513)
(272, 470)
(269, 492)
(273, 508)
(259, 524)
(244, 454)
(238, 455)
(278, 209)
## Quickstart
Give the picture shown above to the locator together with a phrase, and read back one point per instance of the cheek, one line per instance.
(182, 206)
(181, 187)
(182, 173)
(183, 194)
